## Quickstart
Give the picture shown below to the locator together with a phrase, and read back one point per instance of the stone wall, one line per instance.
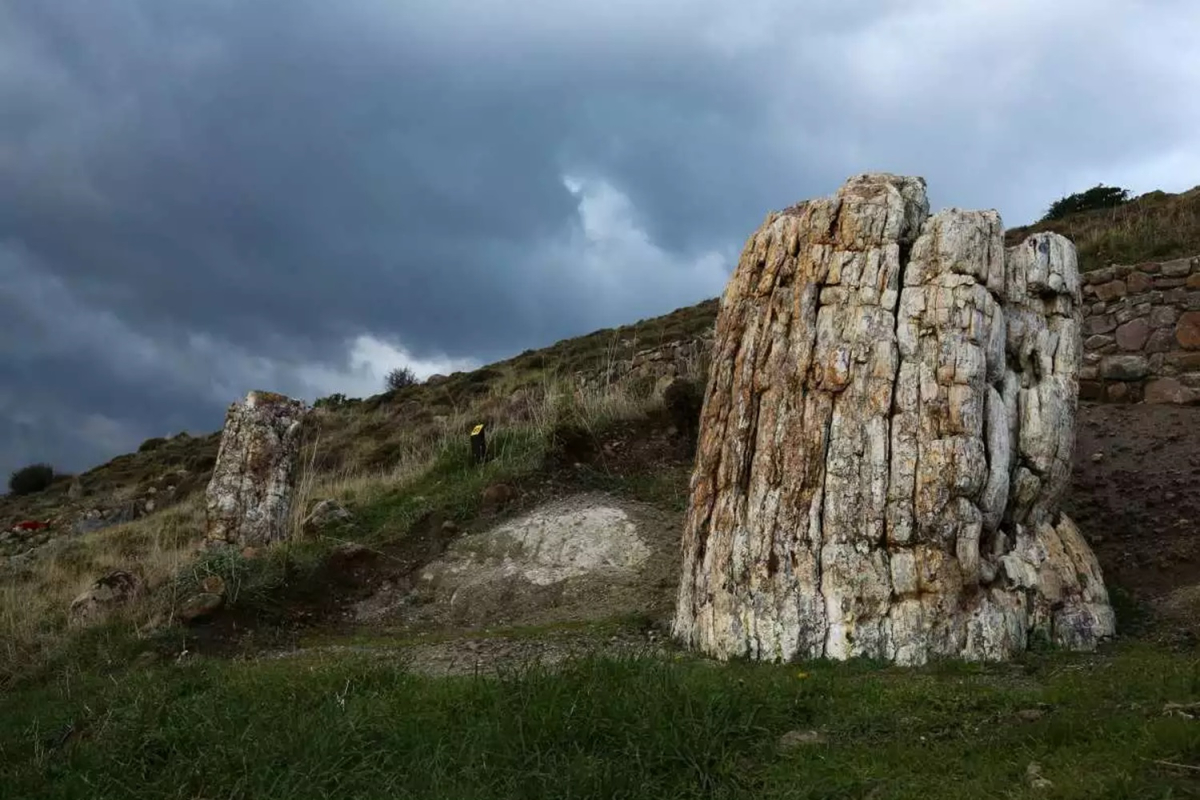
(1142, 333)
(670, 360)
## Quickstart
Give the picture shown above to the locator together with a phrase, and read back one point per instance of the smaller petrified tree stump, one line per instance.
(249, 498)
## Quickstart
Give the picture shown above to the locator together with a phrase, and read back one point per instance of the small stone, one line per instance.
(1033, 777)
(1124, 313)
(1169, 390)
(350, 551)
(1187, 330)
(1100, 324)
(1097, 458)
(1111, 290)
(795, 739)
(1133, 334)
(1161, 341)
(213, 584)
(1117, 392)
(199, 607)
(1193, 281)
(152, 491)
(1163, 317)
(324, 514)
(114, 589)
(1097, 341)
(1184, 361)
(1031, 714)
(1124, 367)
(75, 490)
(500, 494)
(449, 526)
(1178, 268)
(1139, 282)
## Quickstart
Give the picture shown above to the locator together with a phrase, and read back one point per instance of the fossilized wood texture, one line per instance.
(249, 498)
(886, 432)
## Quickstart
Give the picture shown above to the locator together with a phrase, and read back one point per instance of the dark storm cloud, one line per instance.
(197, 198)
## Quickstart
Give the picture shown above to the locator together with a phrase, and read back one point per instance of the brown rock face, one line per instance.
(1169, 390)
(1187, 331)
(249, 498)
(886, 432)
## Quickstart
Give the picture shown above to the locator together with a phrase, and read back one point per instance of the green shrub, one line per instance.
(31, 479)
(151, 444)
(1099, 196)
(332, 401)
(400, 378)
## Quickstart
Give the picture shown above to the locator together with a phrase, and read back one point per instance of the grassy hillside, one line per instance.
(1153, 227)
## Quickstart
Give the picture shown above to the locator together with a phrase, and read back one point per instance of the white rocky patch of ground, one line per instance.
(582, 558)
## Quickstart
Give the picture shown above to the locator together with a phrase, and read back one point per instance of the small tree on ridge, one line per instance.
(400, 377)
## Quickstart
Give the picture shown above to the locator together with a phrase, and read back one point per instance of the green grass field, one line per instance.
(362, 727)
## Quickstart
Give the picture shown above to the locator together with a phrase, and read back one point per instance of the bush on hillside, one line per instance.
(31, 479)
(1099, 196)
(151, 444)
(332, 401)
(400, 378)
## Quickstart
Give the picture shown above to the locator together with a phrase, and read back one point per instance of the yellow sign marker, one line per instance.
(477, 430)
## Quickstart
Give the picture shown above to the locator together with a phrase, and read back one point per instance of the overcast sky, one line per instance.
(202, 197)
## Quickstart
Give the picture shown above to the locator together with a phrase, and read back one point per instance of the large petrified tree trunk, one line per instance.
(886, 432)
(249, 498)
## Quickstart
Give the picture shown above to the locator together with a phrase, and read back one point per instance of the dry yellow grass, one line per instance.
(35, 597)
(1153, 227)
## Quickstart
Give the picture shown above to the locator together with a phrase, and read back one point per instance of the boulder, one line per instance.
(108, 592)
(324, 514)
(200, 607)
(1187, 330)
(1125, 368)
(498, 495)
(1169, 390)
(249, 498)
(886, 434)
(1133, 334)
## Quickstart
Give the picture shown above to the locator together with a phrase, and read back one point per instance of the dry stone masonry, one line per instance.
(249, 498)
(886, 433)
(660, 364)
(1142, 333)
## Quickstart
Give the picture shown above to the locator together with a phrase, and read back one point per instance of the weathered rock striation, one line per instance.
(249, 498)
(886, 433)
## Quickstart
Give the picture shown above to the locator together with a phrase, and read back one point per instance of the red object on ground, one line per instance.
(31, 525)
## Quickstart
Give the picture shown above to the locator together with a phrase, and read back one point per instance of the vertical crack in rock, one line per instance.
(903, 439)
